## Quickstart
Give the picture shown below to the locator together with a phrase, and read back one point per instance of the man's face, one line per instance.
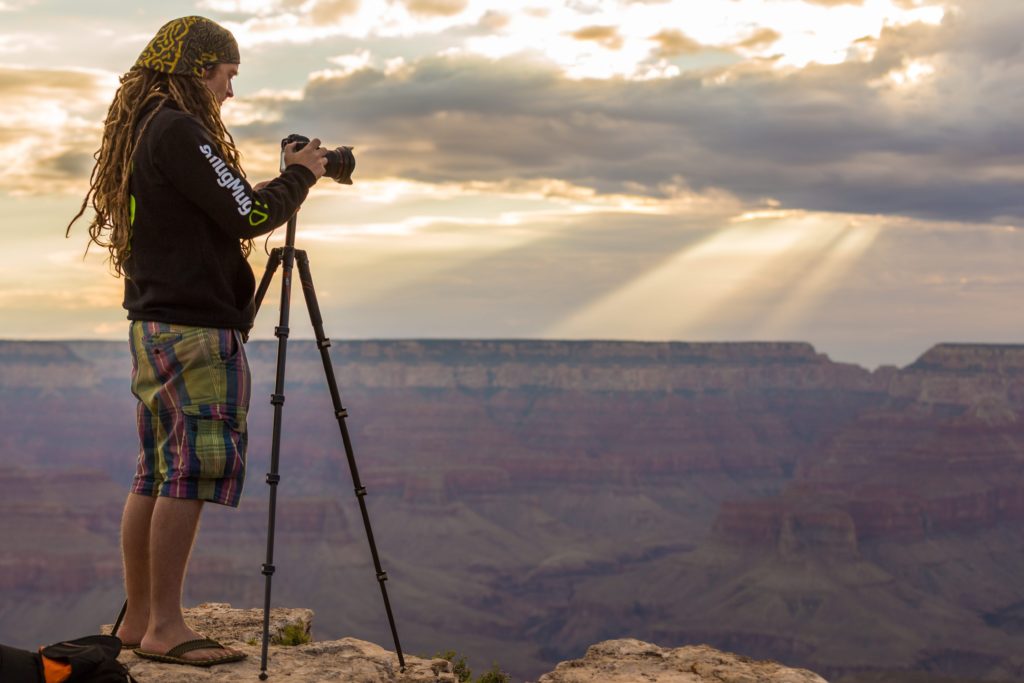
(218, 80)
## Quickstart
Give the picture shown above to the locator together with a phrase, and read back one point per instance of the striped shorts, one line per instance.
(193, 388)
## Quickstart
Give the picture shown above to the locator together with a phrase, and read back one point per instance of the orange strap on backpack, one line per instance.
(55, 672)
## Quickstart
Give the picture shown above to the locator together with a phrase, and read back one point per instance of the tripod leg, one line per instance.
(120, 618)
(268, 274)
(340, 413)
(277, 400)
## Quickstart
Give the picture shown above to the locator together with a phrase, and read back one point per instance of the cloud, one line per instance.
(16, 5)
(23, 43)
(333, 10)
(800, 33)
(606, 36)
(50, 125)
(922, 123)
(17, 82)
(444, 8)
(760, 38)
(72, 164)
(834, 3)
(492, 21)
(850, 137)
(672, 43)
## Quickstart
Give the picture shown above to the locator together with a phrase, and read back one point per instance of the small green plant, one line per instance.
(494, 675)
(251, 641)
(464, 675)
(292, 634)
(459, 666)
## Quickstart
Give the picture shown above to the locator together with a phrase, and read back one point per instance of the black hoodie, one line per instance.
(190, 209)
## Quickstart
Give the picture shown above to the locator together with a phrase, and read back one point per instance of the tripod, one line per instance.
(287, 256)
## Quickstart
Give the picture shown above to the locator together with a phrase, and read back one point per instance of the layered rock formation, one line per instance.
(942, 454)
(913, 507)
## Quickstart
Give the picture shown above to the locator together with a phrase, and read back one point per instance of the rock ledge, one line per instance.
(349, 659)
(634, 661)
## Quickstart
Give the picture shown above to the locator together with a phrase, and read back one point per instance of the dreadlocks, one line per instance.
(108, 185)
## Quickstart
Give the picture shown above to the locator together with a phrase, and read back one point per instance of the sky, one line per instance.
(841, 172)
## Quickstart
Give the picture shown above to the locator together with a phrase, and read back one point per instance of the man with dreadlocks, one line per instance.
(178, 217)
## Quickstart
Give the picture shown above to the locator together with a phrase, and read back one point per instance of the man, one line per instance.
(178, 217)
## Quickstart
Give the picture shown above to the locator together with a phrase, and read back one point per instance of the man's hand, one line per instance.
(312, 156)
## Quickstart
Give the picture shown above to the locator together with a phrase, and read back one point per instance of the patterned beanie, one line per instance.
(187, 46)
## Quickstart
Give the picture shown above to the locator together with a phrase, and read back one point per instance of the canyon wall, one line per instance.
(530, 498)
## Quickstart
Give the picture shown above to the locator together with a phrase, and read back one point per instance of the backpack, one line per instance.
(92, 659)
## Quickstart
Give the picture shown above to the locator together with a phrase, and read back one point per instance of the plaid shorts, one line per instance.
(193, 388)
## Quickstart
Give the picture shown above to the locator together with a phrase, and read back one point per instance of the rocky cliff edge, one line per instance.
(349, 659)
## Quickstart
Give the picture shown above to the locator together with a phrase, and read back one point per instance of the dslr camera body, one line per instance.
(340, 161)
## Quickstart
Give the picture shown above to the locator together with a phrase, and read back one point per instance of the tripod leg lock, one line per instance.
(280, 331)
(277, 399)
(268, 570)
(341, 414)
(273, 479)
(382, 576)
(361, 491)
(323, 344)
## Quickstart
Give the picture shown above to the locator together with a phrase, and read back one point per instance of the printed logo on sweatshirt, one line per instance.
(228, 180)
(257, 216)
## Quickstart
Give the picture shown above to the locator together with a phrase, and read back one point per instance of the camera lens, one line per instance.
(340, 164)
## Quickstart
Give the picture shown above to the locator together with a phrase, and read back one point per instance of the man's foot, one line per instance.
(131, 631)
(185, 646)
(128, 644)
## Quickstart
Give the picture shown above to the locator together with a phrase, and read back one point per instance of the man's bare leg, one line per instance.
(172, 533)
(135, 524)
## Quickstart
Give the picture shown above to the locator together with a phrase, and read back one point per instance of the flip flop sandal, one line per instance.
(174, 655)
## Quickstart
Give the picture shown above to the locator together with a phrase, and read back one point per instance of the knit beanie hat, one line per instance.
(187, 46)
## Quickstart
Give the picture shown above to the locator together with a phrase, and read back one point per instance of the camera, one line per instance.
(340, 161)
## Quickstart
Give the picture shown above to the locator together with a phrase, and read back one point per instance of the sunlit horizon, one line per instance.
(752, 170)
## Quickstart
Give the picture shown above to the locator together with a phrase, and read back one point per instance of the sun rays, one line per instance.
(768, 270)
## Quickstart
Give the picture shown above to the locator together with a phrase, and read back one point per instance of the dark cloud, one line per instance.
(822, 138)
(72, 164)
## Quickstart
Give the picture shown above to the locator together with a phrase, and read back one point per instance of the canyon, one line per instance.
(531, 498)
